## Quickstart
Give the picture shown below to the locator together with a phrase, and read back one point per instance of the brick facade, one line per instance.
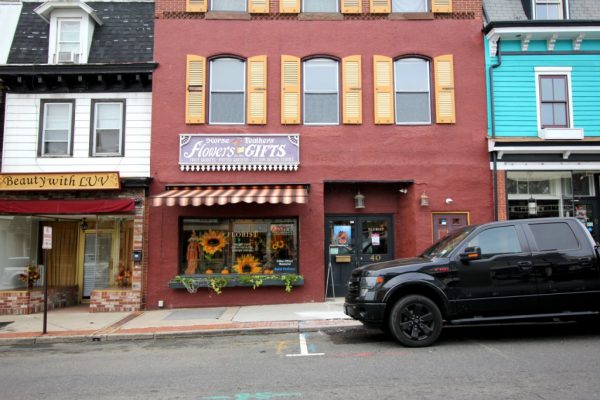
(21, 302)
(115, 300)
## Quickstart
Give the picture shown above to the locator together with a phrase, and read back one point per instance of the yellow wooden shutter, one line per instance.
(257, 90)
(441, 6)
(195, 93)
(351, 6)
(258, 6)
(290, 90)
(196, 5)
(384, 89)
(380, 6)
(289, 6)
(352, 90)
(444, 89)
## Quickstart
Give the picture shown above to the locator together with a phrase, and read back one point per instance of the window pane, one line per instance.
(320, 6)
(559, 86)
(56, 135)
(547, 114)
(409, 6)
(411, 75)
(560, 114)
(56, 148)
(58, 116)
(546, 87)
(108, 116)
(69, 31)
(321, 75)
(229, 5)
(547, 11)
(412, 107)
(374, 237)
(554, 236)
(227, 108)
(321, 108)
(107, 141)
(227, 74)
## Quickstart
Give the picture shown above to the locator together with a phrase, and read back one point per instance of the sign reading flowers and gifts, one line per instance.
(269, 152)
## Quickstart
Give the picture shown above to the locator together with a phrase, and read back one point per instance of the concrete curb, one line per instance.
(293, 327)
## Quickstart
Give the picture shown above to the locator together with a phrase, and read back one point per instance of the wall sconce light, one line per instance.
(424, 200)
(531, 206)
(359, 200)
(449, 200)
(84, 225)
(403, 190)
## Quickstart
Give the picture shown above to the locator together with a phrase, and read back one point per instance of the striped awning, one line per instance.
(231, 194)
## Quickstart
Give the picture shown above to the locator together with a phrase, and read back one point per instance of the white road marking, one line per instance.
(304, 349)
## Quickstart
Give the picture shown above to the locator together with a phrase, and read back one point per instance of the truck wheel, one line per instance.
(415, 321)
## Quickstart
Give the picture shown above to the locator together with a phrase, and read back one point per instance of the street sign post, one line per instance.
(46, 245)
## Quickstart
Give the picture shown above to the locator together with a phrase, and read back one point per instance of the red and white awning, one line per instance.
(231, 194)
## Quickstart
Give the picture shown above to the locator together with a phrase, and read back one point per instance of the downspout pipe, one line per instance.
(493, 127)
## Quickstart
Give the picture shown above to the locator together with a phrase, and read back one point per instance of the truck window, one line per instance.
(499, 240)
(554, 236)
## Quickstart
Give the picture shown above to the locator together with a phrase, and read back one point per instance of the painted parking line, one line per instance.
(304, 349)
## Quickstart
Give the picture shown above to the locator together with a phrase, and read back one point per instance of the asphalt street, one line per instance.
(547, 361)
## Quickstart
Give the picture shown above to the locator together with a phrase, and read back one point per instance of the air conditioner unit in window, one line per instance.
(66, 57)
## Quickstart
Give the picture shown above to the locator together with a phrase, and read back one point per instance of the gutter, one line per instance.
(493, 127)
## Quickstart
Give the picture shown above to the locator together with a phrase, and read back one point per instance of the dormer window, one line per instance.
(72, 24)
(68, 48)
(549, 9)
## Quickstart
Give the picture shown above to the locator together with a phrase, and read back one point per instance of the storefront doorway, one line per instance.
(585, 211)
(352, 241)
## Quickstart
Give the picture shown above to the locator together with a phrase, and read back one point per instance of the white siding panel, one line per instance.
(22, 130)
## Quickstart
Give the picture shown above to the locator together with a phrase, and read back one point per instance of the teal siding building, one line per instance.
(543, 91)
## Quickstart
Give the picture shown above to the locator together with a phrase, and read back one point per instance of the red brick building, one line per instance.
(309, 137)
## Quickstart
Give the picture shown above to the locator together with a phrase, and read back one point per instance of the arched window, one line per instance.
(412, 91)
(227, 101)
(321, 92)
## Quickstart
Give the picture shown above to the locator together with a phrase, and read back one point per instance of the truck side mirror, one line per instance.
(471, 253)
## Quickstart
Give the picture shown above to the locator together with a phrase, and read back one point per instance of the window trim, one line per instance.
(93, 136)
(59, 29)
(42, 121)
(245, 10)
(429, 73)
(244, 92)
(553, 71)
(338, 64)
(337, 8)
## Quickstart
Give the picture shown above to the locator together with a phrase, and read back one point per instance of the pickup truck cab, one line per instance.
(516, 270)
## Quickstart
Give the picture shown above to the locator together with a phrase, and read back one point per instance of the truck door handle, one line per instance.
(525, 265)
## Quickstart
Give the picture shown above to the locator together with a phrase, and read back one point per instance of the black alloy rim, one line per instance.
(417, 322)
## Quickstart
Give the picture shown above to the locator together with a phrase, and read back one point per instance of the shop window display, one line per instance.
(239, 246)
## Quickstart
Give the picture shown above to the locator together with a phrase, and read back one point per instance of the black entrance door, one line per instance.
(352, 241)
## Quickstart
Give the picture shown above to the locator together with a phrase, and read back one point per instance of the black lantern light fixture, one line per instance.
(84, 225)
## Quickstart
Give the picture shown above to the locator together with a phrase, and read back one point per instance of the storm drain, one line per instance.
(5, 324)
(200, 313)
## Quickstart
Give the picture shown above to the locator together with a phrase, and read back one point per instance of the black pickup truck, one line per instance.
(518, 270)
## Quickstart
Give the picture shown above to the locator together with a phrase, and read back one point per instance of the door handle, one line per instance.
(525, 265)
(584, 260)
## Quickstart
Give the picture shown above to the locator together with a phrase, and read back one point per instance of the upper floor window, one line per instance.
(227, 102)
(554, 105)
(321, 92)
(56, 128)
(320, 6)
(68, 40)
(228, 5)
(107, 132)
(408, 6)
(412, 91)
(548, 9)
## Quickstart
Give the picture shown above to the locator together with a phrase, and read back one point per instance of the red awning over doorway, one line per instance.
(66, 206)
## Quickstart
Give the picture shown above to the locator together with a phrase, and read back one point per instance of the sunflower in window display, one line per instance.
(247, 264)
(212, 242)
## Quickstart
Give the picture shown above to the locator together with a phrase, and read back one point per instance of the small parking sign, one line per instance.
(47, 238)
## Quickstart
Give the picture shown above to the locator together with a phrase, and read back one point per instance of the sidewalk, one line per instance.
(77, 324)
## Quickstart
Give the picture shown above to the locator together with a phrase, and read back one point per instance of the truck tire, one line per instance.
(415, 321)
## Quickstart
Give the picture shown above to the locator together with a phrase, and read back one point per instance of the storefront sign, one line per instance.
(205, 152)
(61, 181)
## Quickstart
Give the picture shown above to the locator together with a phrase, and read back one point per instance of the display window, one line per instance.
(239, 246)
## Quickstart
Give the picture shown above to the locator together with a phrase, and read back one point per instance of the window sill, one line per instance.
(409, 16)
(201, 281)
(232, 15)
(561, 133)
(318, 16)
